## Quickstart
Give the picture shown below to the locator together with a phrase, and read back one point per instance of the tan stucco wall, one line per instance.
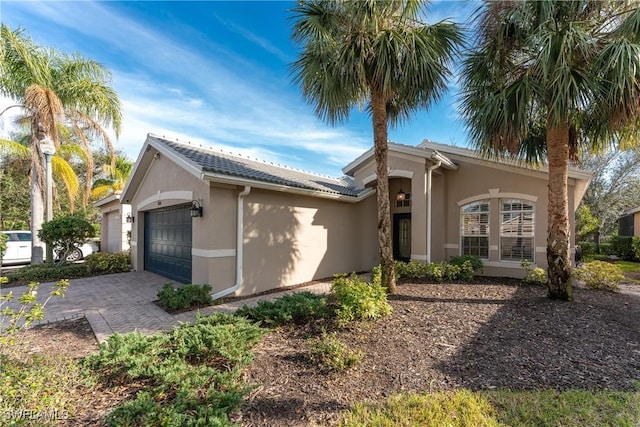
(636, 224)
(121, 228)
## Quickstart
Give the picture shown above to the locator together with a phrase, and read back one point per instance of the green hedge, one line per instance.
(622, 246)
(104, 262)
(48, 272)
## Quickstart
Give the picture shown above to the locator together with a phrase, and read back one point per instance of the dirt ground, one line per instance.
(484, 335)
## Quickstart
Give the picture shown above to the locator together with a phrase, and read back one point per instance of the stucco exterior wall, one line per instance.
(113, 226)
(165, 184)
(636, 224)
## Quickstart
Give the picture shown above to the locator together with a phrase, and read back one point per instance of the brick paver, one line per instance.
(123, 302)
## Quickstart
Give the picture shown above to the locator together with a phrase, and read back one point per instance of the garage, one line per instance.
(167, 242)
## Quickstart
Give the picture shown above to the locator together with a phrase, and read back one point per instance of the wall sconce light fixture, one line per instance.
(130, 219)
(196, 209)
(400, 196)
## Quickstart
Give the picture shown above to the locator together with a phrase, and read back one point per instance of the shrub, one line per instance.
(636, 247)
(436, 272)
(3, 246)
(66, 233)
(606, 248)
(191, 376)
(48, 272)
(334, 355)
(535, 275)
(475, 261)
(622, 246)
(588, 248)
(358, 299)
(184, 297)
(293, 308)
(600, 275)
(103, 262)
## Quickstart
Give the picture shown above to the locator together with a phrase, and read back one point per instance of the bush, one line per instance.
(3, 245)
(588, 248)
(636, 247)
(184, 297)
(622, 246)
(66, 233)
(293, 308)
(436, 272)
(475, 261)
(600, 275)
(191, 376)
(48, 272)
(334, 355)
(358, 299)
(535, 275)
(606, 248)
(103, 262)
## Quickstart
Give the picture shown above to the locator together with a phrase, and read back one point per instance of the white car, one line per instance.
(19, 248)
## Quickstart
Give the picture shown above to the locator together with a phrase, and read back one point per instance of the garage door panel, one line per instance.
(168, 234)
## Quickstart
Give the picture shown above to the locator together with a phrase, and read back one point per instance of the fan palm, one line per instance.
(376, 53)
(56, 89)
(547, 79)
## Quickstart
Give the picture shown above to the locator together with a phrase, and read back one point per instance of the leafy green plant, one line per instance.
(184, 297)
(16, 318)
(535, 275)
(436, 272)
(48, 272)
(635, 245)
(332, 354)
(359, 300)
(3, 245)
(66, 233)
(292, 308)
(189, 377)
(104, 262)
(600, 275)
(622, 246)
(475, 261)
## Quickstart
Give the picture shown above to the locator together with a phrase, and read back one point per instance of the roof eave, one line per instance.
(226, 179)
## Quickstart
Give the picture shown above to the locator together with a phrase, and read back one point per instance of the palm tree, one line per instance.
(376, 53)
(113, 178)
(551, 79)
(56, 91)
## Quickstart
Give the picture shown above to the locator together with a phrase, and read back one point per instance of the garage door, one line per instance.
(167, 242)
(114, 232)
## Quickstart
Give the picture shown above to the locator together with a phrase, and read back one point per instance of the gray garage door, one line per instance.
(167, 242)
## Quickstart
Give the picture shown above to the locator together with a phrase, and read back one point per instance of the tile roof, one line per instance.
(221, 163)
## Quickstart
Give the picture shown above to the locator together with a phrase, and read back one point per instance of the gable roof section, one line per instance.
(216, 166)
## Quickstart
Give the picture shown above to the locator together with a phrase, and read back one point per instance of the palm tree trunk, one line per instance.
(559, 267)
(381, 149)
(37, 217)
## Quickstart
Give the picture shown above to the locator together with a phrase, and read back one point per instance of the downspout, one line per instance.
(430, 169)
(239, 244)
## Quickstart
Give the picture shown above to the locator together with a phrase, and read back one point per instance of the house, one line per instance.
(115, 225)
(629, 223)
(245, 226)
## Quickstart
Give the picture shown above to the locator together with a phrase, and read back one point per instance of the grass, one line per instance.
(462, 408)
(628, 266)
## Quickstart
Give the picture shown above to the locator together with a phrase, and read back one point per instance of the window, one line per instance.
(406, 201)
(516, 230)
(474, 221)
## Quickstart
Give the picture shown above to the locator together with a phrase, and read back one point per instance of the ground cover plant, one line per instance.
(292, 308)
(184, 297)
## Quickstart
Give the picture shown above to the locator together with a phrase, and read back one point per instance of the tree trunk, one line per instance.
(381, 148)
(37, 202)
(558, 240)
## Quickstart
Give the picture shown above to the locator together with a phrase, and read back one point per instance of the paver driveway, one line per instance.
(123, 303)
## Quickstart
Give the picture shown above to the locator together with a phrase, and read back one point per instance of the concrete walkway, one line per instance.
(121, 303)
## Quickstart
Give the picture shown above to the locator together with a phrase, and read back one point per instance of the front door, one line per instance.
(402, 236)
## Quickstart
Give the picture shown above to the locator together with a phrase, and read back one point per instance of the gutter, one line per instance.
(430, 170)
(239, 245)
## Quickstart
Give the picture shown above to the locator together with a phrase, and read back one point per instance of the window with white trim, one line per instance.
(474, 233)
(517, 225)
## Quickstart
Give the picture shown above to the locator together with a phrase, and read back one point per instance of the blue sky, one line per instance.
(217, 74)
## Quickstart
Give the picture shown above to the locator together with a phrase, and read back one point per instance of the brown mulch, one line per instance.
(485, 335)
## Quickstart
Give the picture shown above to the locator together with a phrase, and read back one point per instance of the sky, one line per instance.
(217, 74)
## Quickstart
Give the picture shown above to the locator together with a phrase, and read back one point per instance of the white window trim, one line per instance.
(533, 233)
(488, 235)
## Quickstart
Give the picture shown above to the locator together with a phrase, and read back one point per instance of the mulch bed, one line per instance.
(488, 334)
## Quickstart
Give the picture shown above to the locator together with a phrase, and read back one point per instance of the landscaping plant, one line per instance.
(293, 308)
(359, 300)
(332, 354)
(66, 233)
(105, 262)
(535, 275)
(185, 296)
(600, 275)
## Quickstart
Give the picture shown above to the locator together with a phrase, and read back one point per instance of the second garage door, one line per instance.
(167, 242)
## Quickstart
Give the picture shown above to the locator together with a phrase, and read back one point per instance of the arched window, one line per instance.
(517, 226)
(474, 233)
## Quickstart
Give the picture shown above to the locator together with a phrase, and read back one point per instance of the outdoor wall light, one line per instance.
(400, 196)
(196, 209)
(130, 219)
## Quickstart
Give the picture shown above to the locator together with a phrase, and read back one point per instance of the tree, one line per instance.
(614, 188)
(376, 53)
(66, 233)
(56, 91)
(113, 178)
(553, 78)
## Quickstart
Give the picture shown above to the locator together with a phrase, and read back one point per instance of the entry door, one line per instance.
(402, 236)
